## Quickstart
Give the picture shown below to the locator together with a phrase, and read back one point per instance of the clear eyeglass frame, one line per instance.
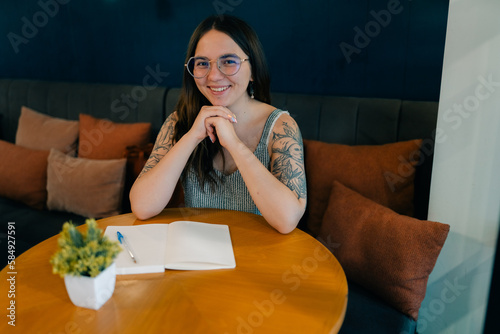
(226, 69)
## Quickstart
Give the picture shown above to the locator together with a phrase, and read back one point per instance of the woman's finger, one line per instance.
(219, 111)
(211, 132)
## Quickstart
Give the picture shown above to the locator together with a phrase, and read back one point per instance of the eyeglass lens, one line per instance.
(199, 67)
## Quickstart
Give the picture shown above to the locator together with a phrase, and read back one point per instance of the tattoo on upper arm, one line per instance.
(288, 165)
(163, 144)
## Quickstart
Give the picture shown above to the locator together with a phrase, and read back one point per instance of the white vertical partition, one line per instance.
(465, 187)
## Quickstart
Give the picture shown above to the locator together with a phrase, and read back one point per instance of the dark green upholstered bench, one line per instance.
(330, 119)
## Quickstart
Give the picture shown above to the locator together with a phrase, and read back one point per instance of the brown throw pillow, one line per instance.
(91, 188)
(383, 173)
(390, 254)
(43, 132)
(136, 159)
(23, 174)
(103, 139)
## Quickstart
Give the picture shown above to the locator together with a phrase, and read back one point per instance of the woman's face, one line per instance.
(218, 88)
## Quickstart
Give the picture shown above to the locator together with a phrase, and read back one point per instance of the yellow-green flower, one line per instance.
(85, 253)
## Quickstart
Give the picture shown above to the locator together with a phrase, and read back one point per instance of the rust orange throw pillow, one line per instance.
(23, 174)
(103, 139)
(389, 254)
(383, 173)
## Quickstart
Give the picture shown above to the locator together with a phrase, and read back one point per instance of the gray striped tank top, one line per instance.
(232, 194)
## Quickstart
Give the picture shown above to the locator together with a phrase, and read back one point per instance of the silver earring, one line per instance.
(251, 90)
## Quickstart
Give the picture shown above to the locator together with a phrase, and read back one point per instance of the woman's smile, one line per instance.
(219, 89)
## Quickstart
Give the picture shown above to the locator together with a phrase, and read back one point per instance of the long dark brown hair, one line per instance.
(191, 100)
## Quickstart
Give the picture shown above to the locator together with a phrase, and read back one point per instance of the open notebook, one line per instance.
(180, 245)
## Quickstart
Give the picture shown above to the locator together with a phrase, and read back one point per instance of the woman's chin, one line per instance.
(219, 102)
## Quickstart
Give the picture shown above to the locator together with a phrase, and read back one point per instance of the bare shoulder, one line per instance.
(287, 155)
(166, 132)
(172, 118)
(285, 128)
(163, 144)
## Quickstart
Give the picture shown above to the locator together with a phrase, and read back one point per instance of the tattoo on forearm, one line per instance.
(288, 166)
(163, 144)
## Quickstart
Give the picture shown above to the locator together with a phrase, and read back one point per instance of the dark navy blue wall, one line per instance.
(371, 48)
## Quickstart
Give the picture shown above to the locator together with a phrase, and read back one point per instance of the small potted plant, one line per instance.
(86, 262)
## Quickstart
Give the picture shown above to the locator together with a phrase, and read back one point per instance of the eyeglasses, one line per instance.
(228, 64)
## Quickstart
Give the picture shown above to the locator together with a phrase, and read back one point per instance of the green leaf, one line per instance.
(83, 254)
(76, 237)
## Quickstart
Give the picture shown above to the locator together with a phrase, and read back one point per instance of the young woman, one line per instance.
(230, 147)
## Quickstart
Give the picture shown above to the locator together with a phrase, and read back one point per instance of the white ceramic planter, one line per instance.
(91, 292)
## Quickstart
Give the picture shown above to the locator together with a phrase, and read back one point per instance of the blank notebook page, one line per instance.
(192, 245)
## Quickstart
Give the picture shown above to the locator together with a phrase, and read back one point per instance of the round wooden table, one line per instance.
(281, 284)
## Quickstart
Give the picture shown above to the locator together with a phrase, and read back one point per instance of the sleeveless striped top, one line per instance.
(232, 193)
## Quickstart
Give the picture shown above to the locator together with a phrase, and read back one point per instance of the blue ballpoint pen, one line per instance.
(124, 242)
